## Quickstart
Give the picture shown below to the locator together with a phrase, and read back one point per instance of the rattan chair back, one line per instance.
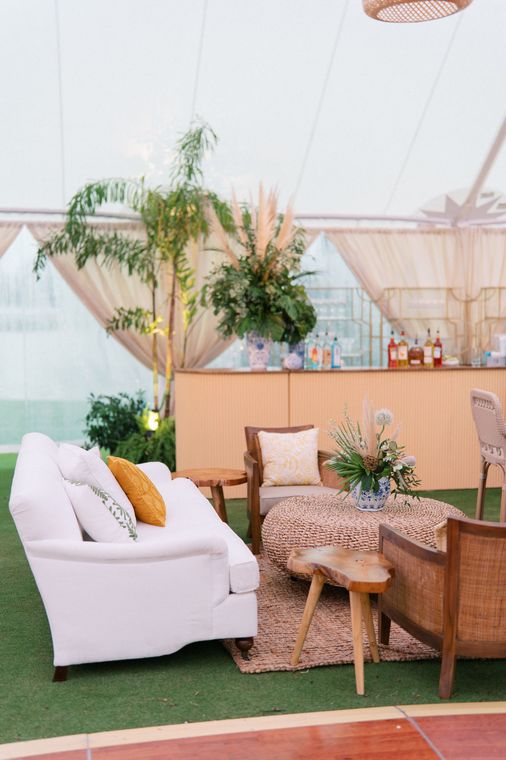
(475, 588)
(453, 601)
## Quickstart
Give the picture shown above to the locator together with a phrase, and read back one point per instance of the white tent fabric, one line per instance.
(348, 115)
(259, 82)
(54, 353)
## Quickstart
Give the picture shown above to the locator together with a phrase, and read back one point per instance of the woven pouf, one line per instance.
(309, 521)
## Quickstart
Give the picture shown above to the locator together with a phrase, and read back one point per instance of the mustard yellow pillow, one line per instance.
(146, 499)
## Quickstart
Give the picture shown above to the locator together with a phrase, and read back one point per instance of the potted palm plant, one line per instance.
(256, 292)
(172, 216)
(368, 460)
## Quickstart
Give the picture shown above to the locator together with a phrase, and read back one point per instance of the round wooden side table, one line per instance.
(214, 478)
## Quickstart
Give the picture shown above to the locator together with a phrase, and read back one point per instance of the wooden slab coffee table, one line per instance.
(361, 573)
(214, 478)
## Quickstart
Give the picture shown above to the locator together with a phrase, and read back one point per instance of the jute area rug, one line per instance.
(281, 603)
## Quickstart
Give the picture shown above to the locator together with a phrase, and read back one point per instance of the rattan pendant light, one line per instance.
(408, 11)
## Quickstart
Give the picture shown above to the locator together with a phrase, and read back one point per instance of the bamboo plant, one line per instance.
(172, 217)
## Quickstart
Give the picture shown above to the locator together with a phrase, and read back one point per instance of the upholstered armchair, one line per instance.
(455, 601)
(262, 498)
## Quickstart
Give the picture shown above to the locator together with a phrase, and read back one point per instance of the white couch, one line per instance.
(193, 580)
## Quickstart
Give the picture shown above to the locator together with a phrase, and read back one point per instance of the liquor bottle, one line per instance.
(308, 342)
(428, 352)
(336, 354)
(415, 355)
(402, 351)
(438, 351)
(392, 352)
(316, 353)
(326, 352)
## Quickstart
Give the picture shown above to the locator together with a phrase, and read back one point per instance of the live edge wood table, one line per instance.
(329, 520)
(361, 573)
(214, 478)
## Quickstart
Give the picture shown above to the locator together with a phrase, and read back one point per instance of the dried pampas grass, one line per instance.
(262, 227)
(217, 228)
(369, 428)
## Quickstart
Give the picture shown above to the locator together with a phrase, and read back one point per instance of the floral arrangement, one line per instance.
(256, 289)
(367, 454)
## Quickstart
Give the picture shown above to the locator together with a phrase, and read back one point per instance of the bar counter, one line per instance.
(432, 406)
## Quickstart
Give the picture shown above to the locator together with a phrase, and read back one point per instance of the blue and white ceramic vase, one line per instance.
(259, 349)
(369, 500)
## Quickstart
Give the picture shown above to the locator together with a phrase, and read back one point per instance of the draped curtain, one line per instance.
(449, 279)
(103, 289)
(8, 233)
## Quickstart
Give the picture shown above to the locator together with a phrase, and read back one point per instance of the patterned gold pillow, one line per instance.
(290, 459)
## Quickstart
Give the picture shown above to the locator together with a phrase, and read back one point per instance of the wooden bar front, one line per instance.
(432, 406)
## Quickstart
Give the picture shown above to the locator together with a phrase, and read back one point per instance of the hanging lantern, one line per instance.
(408, 11)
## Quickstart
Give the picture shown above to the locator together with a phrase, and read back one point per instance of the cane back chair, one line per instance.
(455, 601)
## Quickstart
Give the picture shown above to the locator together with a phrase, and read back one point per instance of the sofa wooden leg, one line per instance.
(244, 645)
(60, 673)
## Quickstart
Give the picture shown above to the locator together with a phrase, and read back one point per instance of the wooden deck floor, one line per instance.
(421, 732)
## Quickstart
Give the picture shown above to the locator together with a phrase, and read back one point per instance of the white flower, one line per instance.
(384, 417)
(408, 461)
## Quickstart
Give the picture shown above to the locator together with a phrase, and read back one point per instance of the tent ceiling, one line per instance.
(128, 82)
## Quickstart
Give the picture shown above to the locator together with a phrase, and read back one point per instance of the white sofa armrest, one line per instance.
(158, 472)
(120, 601)
(182, 545)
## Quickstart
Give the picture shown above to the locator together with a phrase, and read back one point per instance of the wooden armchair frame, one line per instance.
(254, 472)
(440, 598)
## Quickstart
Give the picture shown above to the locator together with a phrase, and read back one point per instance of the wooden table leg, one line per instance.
(356, 630)
(371, 634)
(219, 502)
(311, 602)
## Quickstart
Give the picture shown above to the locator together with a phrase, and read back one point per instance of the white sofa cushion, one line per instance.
(189, 510)
(99, 514)
(158, 472)
(271, 495)
(38, 501)
(83, 466)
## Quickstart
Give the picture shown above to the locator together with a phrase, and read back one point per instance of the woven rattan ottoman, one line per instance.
(310, 521)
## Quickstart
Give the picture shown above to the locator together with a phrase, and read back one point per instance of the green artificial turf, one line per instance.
(198, 683)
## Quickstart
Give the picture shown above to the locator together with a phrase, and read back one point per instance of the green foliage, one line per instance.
(172, 217)
(137, 318)
(261, 294)
(160, 447)
(366, 462)
(111, 419)
(249, 300)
